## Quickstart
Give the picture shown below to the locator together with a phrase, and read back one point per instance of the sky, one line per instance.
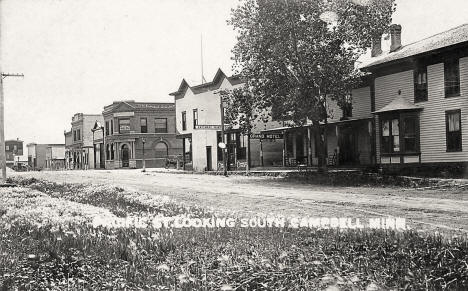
(80, 55)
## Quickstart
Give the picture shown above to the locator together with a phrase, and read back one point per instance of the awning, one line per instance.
(398, 104)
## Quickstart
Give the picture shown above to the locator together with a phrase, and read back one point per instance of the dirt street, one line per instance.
(444, 210)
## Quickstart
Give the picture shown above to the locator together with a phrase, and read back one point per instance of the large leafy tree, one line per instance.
(297, 54)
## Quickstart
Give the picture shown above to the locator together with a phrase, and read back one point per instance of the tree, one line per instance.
(242, 109)
(296, 54)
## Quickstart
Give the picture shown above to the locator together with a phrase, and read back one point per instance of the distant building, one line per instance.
(55, 157)
(13, 148)
(79, 141)
(37, 156)
(127, 126)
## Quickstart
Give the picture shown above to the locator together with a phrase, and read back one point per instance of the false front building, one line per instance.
(132, 131)
(79, 141)
(198, 111)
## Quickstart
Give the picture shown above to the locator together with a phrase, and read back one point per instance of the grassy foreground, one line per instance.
(50, 240)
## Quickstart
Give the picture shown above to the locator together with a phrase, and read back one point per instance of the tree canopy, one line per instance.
(294, 54)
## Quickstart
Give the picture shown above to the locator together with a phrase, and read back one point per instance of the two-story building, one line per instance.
(132, 131)
(198, 111)
(13, 148)
(419, 98)
(79, 141)
(349, 135)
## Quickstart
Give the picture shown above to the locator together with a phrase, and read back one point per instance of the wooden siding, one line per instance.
(361, 102)
(386, 89)
(432, 118)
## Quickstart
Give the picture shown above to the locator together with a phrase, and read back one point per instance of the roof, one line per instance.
(455, 36)
(398, 104)
(208, 86)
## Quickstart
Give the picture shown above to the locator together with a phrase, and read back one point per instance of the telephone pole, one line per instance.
(2, 125)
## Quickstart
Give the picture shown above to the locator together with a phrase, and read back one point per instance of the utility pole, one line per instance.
(2, 125)
(222, 135)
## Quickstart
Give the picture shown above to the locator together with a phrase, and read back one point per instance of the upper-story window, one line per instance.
(195, 117)
(160, 125)
(111, 126)
(184, 120)
(453, 130)
(107, 128)
(124, 125)
(347, 107)
(420, 83)
(143, 125)
(7, 148)
(452, 77)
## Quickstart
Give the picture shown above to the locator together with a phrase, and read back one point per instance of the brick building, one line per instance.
(13, 148)
(130, 129)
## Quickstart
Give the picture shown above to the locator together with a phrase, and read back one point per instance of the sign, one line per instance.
(266, 136)
(211, 126)
(124, 114)
(222, 145)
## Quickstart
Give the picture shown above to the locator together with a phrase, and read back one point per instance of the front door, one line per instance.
(125, 156)
(208, 159)
(349, 154)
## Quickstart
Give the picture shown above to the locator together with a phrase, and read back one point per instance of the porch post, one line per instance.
(284, 148)
(309, 147)
(261, 152)
(183, 153)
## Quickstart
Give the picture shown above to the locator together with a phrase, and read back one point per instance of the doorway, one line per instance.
(208, 159)
(125, 156)
(348, 143)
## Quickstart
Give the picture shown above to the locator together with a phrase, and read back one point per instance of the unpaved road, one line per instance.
(443, 210)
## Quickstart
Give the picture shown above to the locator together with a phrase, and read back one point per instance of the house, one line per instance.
(55, 157)
(132, 132)
(79, 141)
(13, 148)
(419, 96)
(198, 112)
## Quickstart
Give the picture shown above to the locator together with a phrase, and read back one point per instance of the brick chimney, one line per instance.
(395, 36)
(376, 46)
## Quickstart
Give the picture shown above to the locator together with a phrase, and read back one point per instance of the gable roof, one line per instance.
(455, 36)
(208, 86)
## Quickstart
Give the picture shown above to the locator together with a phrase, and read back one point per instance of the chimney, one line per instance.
(376, 46)
(395, 36)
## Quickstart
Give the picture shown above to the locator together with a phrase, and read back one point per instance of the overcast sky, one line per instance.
(78, 56)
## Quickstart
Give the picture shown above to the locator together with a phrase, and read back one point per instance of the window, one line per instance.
(420, 84)
(410, 134)
(184, 120)
(112, 127)
(7, 148)
(195, 117)
(107, 128)
(347, 107)
(112, 152)
(452, 77)
(78, 134)
(124, 125)
(390, 135)
(160, 125)
(143, 125)
(453, 130)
